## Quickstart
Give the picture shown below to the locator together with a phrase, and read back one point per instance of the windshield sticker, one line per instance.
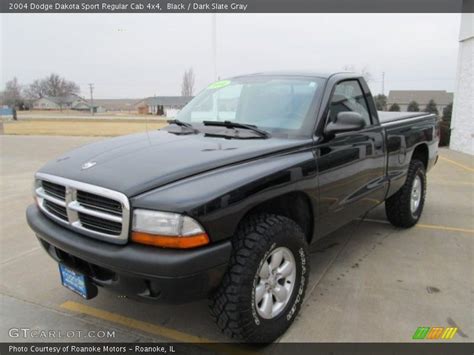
(219, 84)
(312, 84)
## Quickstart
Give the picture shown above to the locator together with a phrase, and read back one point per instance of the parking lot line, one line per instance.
(427, 226)
(448, 182)
(445, 228)
(134, 323)
(154, 329)
(465, 167)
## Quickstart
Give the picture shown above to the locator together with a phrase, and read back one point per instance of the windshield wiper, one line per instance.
(180, 123)
(186, 128)
(230, 124)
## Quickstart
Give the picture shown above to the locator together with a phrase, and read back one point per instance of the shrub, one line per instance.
(395, 107)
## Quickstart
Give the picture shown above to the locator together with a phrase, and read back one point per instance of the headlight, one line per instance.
(169, 230)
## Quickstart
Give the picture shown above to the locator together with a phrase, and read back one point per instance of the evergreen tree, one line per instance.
(395, 108)
(447, 112)
(380, 102)
(413, 107)
(431, 107)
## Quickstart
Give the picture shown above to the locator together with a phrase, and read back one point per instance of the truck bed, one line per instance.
(389, 117)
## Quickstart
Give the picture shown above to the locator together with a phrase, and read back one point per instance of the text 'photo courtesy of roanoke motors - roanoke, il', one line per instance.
(224, 177)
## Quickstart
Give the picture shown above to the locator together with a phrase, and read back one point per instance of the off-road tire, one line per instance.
(397, 207)
(233, 306)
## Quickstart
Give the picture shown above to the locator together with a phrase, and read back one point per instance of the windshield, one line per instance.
(275, 104)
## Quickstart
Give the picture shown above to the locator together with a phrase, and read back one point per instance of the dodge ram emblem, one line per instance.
(88, 165)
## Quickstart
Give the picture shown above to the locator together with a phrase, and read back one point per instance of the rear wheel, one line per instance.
(404, 208)
(264, 286)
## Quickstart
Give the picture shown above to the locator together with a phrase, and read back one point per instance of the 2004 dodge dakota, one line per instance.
(224, 201)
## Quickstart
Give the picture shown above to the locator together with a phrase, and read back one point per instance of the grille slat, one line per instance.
(82, 204)
(58, 211)
(100, 225)
(99, 203)
(54, 190)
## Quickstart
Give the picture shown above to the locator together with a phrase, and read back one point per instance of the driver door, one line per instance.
(351, 164)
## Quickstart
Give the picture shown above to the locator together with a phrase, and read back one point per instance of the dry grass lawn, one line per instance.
(71, 114)
(71, 127)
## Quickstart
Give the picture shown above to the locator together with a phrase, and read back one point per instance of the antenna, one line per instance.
(214, 45)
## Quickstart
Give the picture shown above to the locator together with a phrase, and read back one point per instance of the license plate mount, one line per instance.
(77, 282)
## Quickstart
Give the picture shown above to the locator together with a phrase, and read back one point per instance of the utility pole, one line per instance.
(383, 83)
(91, 87)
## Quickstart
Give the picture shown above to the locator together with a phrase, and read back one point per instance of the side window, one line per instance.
(348, 96)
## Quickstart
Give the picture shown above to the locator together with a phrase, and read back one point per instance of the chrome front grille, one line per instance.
(91, 210)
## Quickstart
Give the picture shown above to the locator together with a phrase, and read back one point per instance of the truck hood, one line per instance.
(137, 163)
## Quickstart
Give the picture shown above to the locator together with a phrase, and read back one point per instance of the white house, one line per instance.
(57, 102)
(70, 102)
(462, 122)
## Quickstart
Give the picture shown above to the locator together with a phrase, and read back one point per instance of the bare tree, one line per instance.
(53, 85)
(187, 86)
(364, 71)
(12, 96)
(36, 90)
(58, 86)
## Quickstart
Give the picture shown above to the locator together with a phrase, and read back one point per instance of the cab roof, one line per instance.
(323, 75)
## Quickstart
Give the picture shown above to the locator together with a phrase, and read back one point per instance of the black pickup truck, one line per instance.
(225, 200)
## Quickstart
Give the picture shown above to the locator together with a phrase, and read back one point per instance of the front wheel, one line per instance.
(404, 208)
(264, 286)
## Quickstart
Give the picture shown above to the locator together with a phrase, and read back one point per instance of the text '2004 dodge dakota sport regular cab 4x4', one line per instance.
(225, 200)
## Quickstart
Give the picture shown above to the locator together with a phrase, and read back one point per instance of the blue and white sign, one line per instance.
(72, 280)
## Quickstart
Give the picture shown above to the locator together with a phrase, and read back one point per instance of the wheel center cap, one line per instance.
(272, 280)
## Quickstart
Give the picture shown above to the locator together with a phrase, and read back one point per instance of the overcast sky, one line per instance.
(133, 56)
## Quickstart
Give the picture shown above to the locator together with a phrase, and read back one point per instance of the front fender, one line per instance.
(221, 198)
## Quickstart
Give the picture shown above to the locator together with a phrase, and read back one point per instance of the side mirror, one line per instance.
(345, 122)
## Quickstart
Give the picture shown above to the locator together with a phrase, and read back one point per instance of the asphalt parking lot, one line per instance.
(370, 282)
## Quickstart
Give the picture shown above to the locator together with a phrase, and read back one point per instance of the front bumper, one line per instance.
(135, 270)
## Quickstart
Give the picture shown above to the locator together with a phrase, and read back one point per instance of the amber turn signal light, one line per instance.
(175, 242)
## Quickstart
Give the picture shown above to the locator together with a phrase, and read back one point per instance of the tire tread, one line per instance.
(226, 305)
(397, 207)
